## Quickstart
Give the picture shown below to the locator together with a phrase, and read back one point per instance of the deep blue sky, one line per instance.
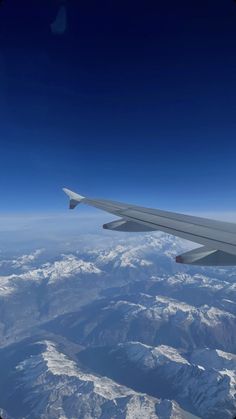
(135, 102)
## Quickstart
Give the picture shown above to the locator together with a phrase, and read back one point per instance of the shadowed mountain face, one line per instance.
(116, 330)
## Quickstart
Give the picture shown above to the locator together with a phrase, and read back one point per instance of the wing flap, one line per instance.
(204, 256)
(128, 226)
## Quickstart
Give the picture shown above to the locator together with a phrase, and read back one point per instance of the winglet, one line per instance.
(75, 198)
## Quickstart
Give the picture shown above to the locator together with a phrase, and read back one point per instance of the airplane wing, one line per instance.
(218, 238)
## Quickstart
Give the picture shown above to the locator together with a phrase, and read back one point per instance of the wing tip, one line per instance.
(75, 198)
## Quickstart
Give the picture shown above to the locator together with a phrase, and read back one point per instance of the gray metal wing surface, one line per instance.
(218, 238)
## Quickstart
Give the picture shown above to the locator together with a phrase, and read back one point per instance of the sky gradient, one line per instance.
(134, 102)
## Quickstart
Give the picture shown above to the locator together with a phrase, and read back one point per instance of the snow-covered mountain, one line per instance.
(153, 321)
(144, 336)
(46, 382)
(209, 391)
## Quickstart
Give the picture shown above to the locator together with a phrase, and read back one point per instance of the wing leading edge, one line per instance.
(218, 238)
